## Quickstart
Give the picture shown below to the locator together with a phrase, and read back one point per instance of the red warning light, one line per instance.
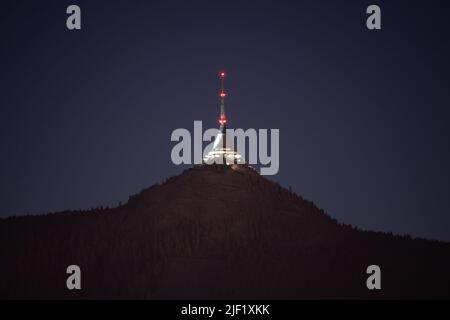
(222, 120)
(222, 74)
(223, 94)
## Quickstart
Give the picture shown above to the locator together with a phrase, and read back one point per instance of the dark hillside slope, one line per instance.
(213, 232)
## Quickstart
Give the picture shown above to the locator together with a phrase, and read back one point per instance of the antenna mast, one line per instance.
(223, 118)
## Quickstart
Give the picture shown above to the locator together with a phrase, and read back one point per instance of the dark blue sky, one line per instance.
(86, 116)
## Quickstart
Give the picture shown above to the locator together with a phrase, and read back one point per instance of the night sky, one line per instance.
(86, 116)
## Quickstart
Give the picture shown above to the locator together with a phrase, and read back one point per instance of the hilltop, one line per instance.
(213, 232)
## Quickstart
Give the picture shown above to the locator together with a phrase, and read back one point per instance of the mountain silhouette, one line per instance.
(213, 232)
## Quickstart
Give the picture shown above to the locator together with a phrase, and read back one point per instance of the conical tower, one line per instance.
(220, 152)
